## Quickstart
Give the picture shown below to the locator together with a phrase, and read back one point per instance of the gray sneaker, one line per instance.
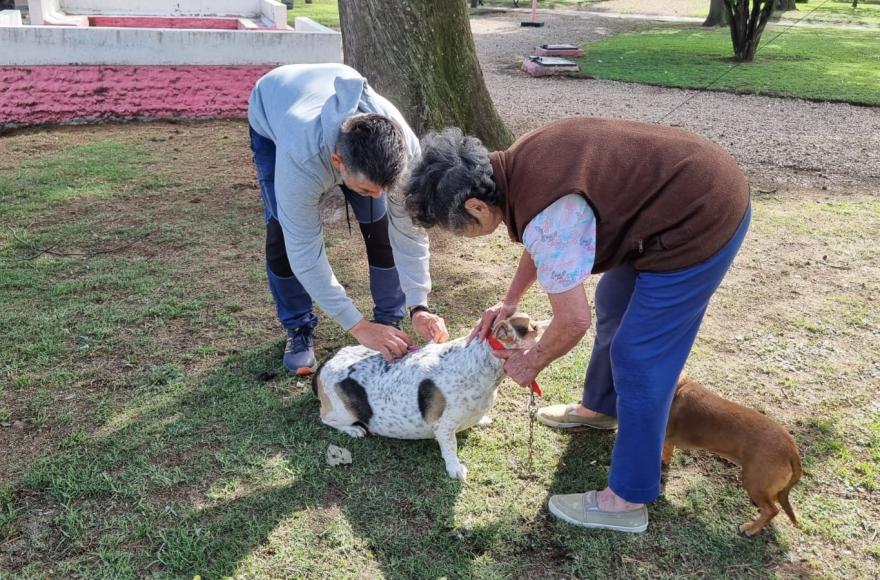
(299, 351)
(564, 417)
(582, 509)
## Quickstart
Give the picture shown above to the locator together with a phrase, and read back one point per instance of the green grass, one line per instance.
(542, 4)
(158, 436)
(694, 8)
(324, 12)
(818, 64)
(95, 170)
(836, 12)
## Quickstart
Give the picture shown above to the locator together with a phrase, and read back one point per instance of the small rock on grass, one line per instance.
(338, 455)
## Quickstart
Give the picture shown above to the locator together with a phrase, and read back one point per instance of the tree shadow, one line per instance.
(218, 473)
(212, 470)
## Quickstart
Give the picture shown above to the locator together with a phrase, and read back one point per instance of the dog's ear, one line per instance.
(521, 324)
(540, 326)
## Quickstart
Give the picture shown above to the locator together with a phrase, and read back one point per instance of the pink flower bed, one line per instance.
(63, 94)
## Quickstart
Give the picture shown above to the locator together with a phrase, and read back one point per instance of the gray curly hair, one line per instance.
(452, 169)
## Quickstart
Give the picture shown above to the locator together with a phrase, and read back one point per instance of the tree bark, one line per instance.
(746, 26)
(782, 5)
(420, 55)
(717, 14)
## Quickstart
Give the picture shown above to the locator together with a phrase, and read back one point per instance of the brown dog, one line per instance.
(771, 464)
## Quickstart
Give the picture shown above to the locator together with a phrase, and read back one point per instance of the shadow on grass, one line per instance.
(224, 474)
(694, 534)
(195, 475)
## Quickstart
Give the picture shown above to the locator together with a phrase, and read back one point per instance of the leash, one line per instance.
(534, 389)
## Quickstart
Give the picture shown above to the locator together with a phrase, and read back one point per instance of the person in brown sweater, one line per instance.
(659, 212)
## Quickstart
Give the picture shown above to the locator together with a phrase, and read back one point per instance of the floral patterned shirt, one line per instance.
(562, 242)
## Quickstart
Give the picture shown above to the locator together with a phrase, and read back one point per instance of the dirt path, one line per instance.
(779, 141)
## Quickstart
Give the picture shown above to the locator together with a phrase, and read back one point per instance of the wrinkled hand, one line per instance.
(390, 342)
(490, 317)
(519, 365)
(430, 326)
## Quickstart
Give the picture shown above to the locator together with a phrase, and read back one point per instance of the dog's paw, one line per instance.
(485, 421)
(457, 471)
(750, 529)
(355, 431)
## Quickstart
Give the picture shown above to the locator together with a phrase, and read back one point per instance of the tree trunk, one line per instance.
(420, 55)
(746, 26)
(783, 5)
(717, 14)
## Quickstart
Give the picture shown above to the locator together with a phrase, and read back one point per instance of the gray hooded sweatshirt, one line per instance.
(301, 108)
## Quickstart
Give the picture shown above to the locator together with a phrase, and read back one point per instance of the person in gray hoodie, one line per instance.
(313, 127)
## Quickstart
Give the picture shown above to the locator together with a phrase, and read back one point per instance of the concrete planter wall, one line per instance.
(75, 12)
(69, 74)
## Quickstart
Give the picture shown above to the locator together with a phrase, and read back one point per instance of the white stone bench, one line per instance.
(251, 13)
(309, 42)
(10, 18)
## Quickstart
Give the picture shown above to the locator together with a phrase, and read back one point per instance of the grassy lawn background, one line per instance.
(821, 64)
(810, 63)
(817, 11)
(837, 12)
(146, 427)
(542, 4)
(324, 12)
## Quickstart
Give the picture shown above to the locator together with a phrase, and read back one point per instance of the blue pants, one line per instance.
(646, 325)
(292, 302)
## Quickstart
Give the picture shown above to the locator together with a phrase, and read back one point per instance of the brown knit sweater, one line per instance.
(664, 198)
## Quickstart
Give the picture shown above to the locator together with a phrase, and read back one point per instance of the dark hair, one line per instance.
(372, 146)
(452, 169)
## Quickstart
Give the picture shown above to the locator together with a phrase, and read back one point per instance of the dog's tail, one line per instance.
(782, 497)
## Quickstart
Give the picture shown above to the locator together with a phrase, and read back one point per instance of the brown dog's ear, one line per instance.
(520, 318)
(521, 322)
(541, 326)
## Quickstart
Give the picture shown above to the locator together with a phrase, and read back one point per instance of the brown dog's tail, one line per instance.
(782, 497)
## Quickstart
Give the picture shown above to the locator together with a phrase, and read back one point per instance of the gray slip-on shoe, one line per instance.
(582, 509)
(564, 417)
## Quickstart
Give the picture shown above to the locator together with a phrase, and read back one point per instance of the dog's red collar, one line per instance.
(496, 345)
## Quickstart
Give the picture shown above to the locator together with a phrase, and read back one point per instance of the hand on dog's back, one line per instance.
(431, 393)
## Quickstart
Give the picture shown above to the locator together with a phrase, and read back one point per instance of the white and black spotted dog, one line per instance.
(434, 392)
